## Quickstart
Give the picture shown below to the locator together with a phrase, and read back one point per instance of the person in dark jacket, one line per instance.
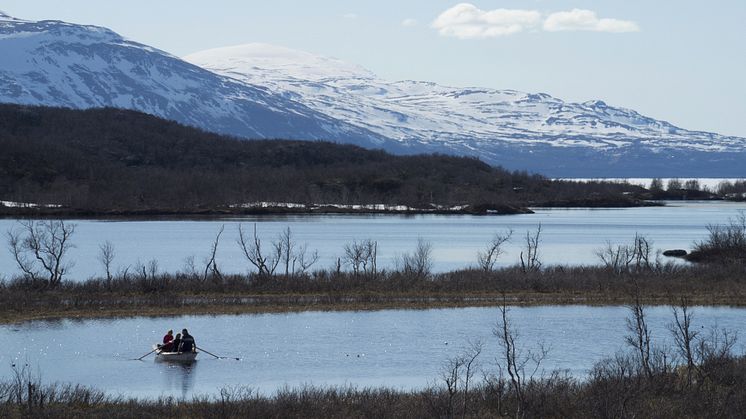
(187, 342)
(175, 343)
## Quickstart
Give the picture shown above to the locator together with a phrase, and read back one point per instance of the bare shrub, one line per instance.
(725, 243)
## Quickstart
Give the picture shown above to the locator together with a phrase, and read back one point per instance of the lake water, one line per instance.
(569, 236)
(397, 348)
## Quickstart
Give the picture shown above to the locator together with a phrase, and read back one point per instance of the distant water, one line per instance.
(395, 348)
(710, 183)
(569, 236)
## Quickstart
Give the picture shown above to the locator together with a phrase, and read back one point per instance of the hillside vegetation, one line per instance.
(112, 160)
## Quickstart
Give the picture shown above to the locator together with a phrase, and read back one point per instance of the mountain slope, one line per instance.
(514, 129)
(101, 160)
(55, 63)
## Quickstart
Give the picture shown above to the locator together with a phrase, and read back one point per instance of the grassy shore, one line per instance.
(169, 294)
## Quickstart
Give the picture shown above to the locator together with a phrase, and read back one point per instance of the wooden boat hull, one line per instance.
(176, 356)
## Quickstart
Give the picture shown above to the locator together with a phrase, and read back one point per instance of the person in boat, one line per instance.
(168, 337)
(175, 344)
(167, 345)
(187, 343)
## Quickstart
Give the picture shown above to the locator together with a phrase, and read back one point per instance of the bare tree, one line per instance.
(361, 256)
(633, 257)
(287, 247)
(531, 262)
(252, 250)
(152, 268)
(457, 375)
(419, 263)
(303, 259)
(296, 258)
(643, 249)
(106, 257)
(517, 361)
(616, 258)
(656, 185)
(40, 248)
(211, 266)
(190, 267)
(692, 185)
(451, 375)
(470, 358)
(487, 258)
(639, 337)
(674, 184)
(683, 335)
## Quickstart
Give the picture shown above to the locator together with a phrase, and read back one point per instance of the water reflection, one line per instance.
(178, 377)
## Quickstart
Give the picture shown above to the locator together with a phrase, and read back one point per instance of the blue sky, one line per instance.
(678, 60)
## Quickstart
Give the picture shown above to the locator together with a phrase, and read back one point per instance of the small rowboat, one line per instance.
(175, 356)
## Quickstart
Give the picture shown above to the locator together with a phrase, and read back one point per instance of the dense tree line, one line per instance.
(105, 160)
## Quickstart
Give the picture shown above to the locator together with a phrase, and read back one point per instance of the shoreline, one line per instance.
(288, 303)
(478, 210)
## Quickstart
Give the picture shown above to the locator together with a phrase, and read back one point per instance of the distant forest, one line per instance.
(113, 160)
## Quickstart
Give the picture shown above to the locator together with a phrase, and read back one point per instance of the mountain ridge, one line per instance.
(262, 91)
(250, 63)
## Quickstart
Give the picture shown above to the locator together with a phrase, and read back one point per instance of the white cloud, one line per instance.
(408, 23)
(586, 20)
(350, 15)
(466, 21)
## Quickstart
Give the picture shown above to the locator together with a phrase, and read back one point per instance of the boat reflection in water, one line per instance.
(178, 376)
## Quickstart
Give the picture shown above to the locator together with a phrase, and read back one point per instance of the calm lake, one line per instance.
(569, 236)
(396, 348)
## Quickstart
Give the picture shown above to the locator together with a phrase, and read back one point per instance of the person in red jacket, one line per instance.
(168, 345)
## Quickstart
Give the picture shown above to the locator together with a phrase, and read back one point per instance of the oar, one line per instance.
(218, 357)
(140, 358)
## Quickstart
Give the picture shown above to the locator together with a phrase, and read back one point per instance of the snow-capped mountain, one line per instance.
(261, 91)
(55, 63)
(515, 129)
